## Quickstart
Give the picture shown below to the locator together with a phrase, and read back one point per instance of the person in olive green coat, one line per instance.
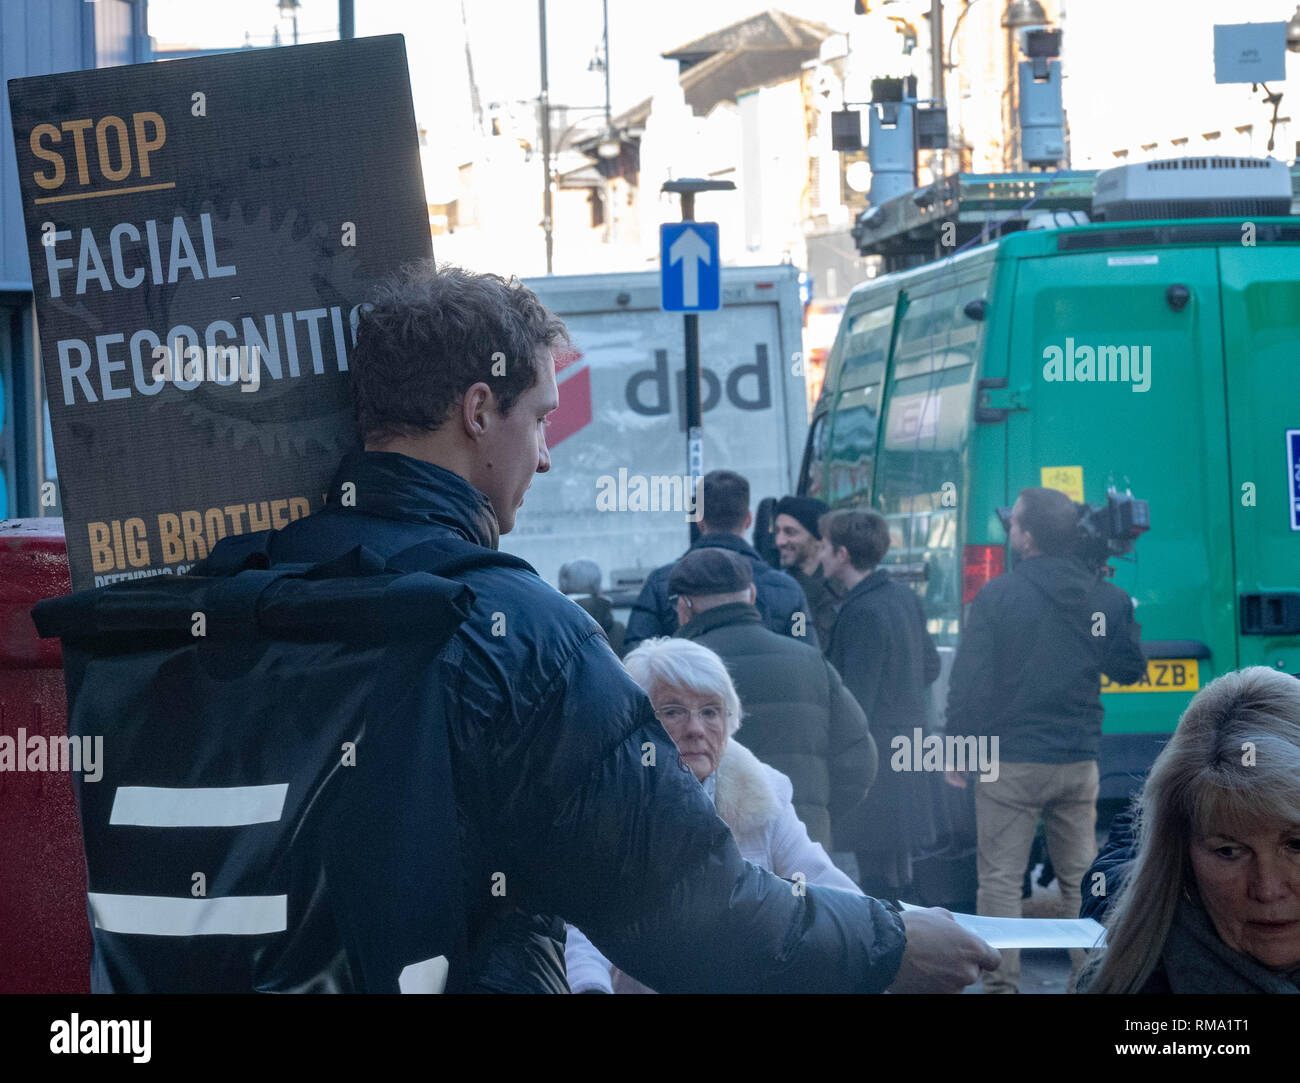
(799, 718)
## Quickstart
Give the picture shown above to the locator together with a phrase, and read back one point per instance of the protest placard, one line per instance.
(201, 234)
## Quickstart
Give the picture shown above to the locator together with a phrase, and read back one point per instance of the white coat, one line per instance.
(754, 800)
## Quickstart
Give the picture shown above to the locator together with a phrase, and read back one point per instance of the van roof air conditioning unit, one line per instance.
(1193, 188)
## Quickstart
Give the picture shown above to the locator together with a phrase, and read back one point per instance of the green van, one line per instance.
(1161, 358)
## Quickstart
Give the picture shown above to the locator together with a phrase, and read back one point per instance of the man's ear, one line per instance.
(749, 520)
(476, 404)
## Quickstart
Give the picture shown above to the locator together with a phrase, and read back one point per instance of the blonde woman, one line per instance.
(1211, 902)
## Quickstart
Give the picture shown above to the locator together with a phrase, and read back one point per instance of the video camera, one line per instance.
(1105, 530)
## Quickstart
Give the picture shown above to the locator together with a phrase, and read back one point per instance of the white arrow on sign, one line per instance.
(690, 249)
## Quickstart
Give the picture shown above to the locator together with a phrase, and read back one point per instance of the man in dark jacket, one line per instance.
(1028, 675)
(799, 541)
(724, 518)
(798, 716)
(570, 797)
(882, 649)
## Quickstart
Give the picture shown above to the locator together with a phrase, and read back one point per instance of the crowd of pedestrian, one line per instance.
(612, 833)
(819, 724)
(831, 659)
(1204, 868)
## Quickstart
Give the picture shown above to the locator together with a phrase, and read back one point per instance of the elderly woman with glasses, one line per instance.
(694, 699)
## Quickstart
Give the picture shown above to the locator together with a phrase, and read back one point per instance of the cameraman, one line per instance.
(1028, 672)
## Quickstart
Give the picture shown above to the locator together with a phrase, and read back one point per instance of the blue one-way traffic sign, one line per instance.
(690, 278)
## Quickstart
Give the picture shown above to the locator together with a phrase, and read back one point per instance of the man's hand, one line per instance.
(955, 778)
(941, 956)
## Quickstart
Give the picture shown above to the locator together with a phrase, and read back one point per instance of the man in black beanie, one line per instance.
(799, 543)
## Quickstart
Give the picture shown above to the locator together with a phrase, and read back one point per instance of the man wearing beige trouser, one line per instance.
(1028, 671)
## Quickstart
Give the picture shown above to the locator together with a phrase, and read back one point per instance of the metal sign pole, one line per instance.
(686, 188)
(694, 418)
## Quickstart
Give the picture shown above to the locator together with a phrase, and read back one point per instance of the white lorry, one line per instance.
(616, 492)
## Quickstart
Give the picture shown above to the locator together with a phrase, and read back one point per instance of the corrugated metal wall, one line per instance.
(114, 42)
(36, 37)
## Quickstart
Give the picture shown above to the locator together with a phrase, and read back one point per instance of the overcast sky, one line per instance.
(503, 37)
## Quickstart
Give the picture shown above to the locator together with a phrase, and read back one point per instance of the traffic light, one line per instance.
(846, 130)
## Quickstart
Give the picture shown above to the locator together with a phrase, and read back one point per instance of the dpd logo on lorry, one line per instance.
(647, 390)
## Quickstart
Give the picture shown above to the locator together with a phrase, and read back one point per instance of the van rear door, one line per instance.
(1159, 429)
(1261, 336)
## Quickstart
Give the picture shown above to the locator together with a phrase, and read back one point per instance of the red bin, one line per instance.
(44, 930)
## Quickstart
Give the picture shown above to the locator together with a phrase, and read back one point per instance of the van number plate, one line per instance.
(1162, 675)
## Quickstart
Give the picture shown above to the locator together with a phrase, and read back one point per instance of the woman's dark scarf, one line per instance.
(1196, 960)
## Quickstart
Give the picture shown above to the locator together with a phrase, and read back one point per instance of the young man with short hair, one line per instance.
(883, 651)
(571, 799)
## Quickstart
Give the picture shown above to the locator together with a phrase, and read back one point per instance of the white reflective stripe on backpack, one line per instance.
(429, 976)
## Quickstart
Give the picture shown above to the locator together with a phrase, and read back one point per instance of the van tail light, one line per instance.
(979, 564)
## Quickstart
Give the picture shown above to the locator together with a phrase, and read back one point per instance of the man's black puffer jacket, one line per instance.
(551, 746)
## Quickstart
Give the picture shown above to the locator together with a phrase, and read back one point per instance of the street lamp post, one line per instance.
(546, 141)
(290, 7)
(609, 146)
(604, 5)
(936, 51)
(936, 74)
(686, 187)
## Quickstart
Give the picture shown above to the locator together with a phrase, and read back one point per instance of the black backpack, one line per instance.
(276, 811)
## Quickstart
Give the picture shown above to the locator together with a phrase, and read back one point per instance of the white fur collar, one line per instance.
(744, 798)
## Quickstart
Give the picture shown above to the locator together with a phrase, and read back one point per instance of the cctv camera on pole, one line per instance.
(891, 143)
(1042, 118)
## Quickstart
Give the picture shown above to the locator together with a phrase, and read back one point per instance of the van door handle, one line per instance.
(994, 400)
(1273, 614)
(1174, 648)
